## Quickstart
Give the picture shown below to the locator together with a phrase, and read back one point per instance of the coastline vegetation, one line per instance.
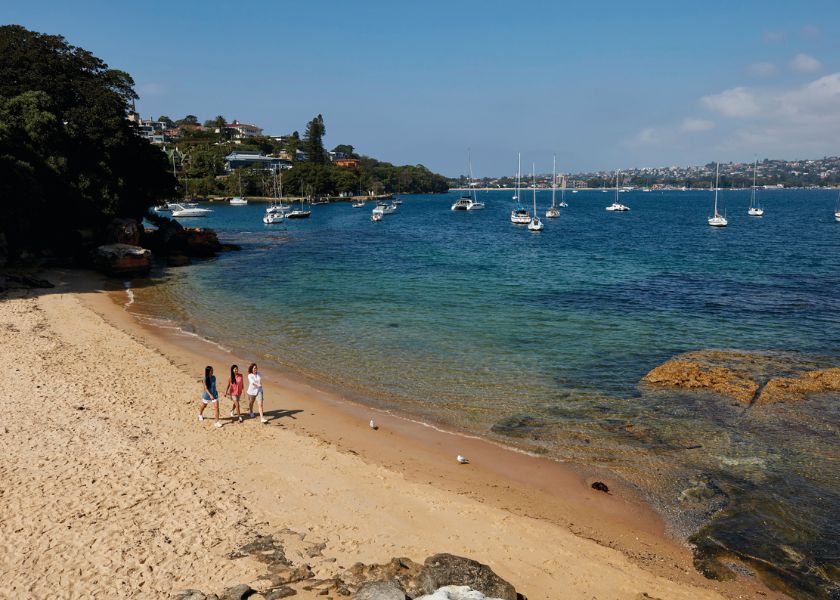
(199, 157)
(69, 160)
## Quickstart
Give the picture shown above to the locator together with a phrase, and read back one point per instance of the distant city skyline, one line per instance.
(603, 86)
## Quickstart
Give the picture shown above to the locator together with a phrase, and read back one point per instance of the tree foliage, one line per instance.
(313, 141)
(69, 159)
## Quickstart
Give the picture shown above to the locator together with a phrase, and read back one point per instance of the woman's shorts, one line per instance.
(209, 400)
(258, 396)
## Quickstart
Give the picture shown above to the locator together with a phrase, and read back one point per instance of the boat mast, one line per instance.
(616, 185)
(755, 167)
(518, 176)
(553, 179)
(534, 183)
(717, 171)
(472, 187)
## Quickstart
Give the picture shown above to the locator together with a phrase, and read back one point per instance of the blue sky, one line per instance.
(602, 84)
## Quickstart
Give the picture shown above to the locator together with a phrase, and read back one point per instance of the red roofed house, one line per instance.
(347, 162)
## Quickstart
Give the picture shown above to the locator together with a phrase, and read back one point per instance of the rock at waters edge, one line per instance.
(122, 259)
(237, 592)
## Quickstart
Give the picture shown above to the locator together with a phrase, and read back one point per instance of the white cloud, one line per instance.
(691, 125)
(735, 102)
(151, 89)
(774, 37)
(762, 69)
(810, 32)
(805, 63)
(801, 120)
(648, 136)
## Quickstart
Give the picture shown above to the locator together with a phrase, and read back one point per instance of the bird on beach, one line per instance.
(462, 459)
(373, 424)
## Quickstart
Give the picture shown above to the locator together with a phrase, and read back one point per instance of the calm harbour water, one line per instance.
(540, 340)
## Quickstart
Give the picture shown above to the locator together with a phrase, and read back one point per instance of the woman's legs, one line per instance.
(236, 407)
(201, 410)
(251, 405)
(260, 406)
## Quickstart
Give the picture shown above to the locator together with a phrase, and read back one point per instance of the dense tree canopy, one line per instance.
(69, 159)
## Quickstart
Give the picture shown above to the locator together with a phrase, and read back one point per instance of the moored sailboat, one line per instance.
(755, 209)
(519, 215)
(553, 211)
(717, 220)
(535, 224)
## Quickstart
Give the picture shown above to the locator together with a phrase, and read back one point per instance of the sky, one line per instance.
(601, 85)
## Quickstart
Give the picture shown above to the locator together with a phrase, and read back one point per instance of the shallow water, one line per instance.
(539, 340)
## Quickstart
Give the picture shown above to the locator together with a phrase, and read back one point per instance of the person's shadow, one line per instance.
(274, 415)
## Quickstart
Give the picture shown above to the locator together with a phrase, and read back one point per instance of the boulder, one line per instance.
(121, 259)
(443, 570)
(402, 570)
(456, 592)
(123, 231)
(237, 592)
(379, 590)
(692, 374)
(794, 389)
(188, 595)
(281, 592)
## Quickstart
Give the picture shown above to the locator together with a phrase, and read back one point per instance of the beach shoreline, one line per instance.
(533, 510)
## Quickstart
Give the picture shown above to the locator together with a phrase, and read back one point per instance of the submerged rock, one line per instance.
(793, 389)
(692, 374)
(601, 487)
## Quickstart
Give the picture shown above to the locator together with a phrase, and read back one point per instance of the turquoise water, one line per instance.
(539, 340)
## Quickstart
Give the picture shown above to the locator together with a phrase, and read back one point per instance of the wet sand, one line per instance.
(113, 487)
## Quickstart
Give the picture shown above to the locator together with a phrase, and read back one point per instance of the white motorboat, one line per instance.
(519, 215)
(717, 220)
(755, 209)
(376, 217)
(535, 224)
(553, 212)
(462, 203)
(162, 208)
(563, 204)
(358, 204)
(837, 209)
(273, 217)
(238, 201)
(178, 210)
(384, 208)
(617, 206)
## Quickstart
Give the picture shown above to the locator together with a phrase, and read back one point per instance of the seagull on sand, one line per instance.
(462, 459)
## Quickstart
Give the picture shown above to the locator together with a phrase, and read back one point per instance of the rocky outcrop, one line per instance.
(170, 238)
(748, 377)
(447, 569)
(691, 374)
(794, 389)
(440, 577)
(123, 231)
(121, 259)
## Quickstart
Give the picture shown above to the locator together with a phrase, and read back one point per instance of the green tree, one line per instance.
(188, 120)
(313, 141)
(164, 119)
(66, 146)
(344, 149)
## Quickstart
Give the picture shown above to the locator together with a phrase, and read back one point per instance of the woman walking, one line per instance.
(210, 395)
(255, 391)
(234, 391)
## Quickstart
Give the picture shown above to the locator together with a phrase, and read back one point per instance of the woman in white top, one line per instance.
(255, 391)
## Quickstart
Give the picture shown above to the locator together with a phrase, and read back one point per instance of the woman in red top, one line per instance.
(234, 391)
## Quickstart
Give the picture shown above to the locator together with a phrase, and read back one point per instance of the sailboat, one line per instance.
(469, 201)
(837, 209)
(617, 206)
(553, 211)
(717, 220)
(535, 224)
(519, 214)
(238, 200)
(276, 211)
(299, 214)
(754, 210)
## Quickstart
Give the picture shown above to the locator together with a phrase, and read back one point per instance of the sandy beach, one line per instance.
(113, 489)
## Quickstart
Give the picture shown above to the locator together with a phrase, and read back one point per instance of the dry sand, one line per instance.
(111, 488)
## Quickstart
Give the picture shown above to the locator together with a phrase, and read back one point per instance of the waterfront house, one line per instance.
(256, 160)
(240, 131)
